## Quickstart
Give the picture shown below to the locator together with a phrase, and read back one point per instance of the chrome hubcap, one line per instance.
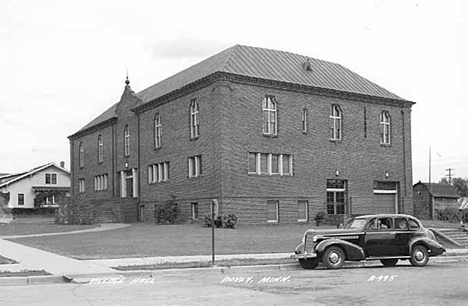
(334, 257)
(419, 255)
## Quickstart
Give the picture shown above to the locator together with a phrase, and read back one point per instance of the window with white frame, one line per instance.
(195, 166)
(81, 185)
(272, 211)
(81, 155)
(194, 209)
(51, 178)
(270, 164)
(101, 182)
(50, 200)
(336, 196)
(302, 210)
(157, 130)
(385, 127)
(194, 120)
(100, 150)
(269, 116)
(126, 141)
(305, 119)
(20, 198)
(158, 173)
(335, 122)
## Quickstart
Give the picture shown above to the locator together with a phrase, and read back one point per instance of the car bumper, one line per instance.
(303, 256)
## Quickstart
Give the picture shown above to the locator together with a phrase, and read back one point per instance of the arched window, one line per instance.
(81, 155)
(335, 122)
(385, 127)
(269, 116)
(100, 150)
(305, 118)
(126, 141)
(194, 121)
(157, 131)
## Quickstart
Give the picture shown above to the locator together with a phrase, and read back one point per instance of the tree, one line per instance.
(461, 184)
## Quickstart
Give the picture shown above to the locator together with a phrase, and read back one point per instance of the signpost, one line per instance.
(214, 206)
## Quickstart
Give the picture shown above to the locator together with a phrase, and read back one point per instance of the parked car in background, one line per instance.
(386, 237)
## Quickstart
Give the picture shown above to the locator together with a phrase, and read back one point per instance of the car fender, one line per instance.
(352, 251)
(433, 246)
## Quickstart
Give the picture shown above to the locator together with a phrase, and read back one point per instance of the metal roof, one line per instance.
(264, 64)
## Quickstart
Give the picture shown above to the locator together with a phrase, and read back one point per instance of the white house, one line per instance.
(38, 187)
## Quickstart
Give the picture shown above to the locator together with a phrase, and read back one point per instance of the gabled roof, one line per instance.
(441, 190)
(7, 180)
(263, 64)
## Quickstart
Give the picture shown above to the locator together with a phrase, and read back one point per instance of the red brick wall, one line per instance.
(230, 127)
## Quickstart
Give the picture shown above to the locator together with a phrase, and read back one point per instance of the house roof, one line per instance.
(9, 179)
(441, 190)
(263, 64)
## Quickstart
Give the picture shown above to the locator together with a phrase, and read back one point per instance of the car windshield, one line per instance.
(356, 223)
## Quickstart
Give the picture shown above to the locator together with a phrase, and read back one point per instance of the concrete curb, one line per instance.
(31, 280)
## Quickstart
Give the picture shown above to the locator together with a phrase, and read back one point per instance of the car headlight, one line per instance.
(315, 238)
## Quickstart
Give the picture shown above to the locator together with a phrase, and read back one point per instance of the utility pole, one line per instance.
(449, 175)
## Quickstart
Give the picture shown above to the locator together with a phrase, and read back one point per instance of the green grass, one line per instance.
(6, 261)
(14, 229)
(205, 264)
(147, 240)
(23, 273)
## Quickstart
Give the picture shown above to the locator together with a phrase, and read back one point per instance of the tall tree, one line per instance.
(462, 186)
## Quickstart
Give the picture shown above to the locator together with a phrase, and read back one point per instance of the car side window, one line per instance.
(380, 224)
(413, 224)
(400, 223)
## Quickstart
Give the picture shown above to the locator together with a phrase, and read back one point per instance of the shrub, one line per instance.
(320, 217)
(230, 220)
(218, 222)
(448, 214)
(168, 213)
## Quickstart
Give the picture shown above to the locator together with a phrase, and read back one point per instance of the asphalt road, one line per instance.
(436, 284)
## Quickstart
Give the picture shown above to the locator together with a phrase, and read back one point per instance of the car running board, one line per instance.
(387, 257)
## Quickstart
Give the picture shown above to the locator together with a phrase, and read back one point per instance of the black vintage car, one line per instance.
(386, 237)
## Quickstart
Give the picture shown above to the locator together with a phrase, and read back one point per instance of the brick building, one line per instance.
(431, 198)
(274, 136)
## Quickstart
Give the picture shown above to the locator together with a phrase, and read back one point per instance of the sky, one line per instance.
(62, 63)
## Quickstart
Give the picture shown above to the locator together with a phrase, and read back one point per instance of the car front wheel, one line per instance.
(389, 262)
(310, 263)
(419, 256)
(333, 257)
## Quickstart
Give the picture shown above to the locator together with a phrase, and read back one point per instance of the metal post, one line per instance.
(212, 233)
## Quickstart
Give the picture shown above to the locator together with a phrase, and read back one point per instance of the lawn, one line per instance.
(145, 240)
(6, 261)
(13, 229)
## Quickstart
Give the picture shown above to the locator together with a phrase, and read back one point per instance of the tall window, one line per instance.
(305, 118)
(272, 211)
(302, 210)
(81, 155)
(335, 122)
(195, 166)
(126, 141)
(100, 150)
(194, 121)
(269, 113)
(51, 178)
(336, 197)
(157, 131)
(385, 128)
(270, 164)
(81, 185)
(20, 198)
(194, 208)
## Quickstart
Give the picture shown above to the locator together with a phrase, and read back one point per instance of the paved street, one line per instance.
(436, 284)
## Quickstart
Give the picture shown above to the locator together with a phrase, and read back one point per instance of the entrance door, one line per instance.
(385, 203)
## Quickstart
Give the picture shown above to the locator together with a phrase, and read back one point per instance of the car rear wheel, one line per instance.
(419, 256)
(310, 263)
(333, 257)
(389, 262)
